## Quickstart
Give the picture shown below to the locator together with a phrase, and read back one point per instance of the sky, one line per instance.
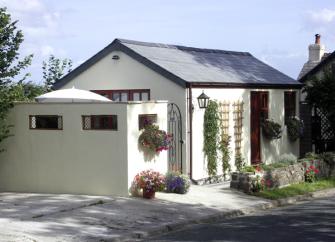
(276, 32)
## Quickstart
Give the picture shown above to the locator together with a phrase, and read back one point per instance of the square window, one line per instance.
(136, 96)
(144, 119)
(46, 122)
(99, 122)
(145, 96)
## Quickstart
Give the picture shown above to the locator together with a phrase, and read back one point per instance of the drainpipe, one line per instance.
(190, 128)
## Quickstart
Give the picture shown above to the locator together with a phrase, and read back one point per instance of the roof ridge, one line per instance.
(180, 47)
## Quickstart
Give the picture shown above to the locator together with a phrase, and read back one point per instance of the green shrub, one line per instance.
(248, 169)
(288, 159)
(271, 129)
(294, 128)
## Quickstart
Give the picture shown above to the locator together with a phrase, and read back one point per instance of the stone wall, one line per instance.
(279, 177)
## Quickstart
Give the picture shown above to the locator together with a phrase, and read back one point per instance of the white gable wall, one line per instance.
(128, 73)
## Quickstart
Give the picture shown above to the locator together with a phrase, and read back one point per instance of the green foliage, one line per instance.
(248, 169)
(239, 161)
(54, 69)
(211, 132)
(294, 128)
(273, 166)
(287, 159)
(10, 67)
(297, 189)
(321, 94)
(225, 152)
(25, 92)
(271, 129)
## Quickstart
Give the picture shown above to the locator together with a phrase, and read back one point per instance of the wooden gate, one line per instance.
(175, 128)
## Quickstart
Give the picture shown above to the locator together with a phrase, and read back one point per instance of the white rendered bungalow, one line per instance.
(247, 88)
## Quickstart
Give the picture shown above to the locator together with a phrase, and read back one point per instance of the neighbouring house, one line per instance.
(317, 137)
(246, 88)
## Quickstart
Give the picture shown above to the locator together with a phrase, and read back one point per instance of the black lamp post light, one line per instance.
(203, 100)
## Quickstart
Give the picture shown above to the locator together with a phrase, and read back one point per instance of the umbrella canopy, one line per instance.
(72, 95)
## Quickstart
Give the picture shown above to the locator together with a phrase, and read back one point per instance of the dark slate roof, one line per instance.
(324, 61)
(197, 66)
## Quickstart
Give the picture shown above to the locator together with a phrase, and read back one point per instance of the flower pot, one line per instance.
(149, 194)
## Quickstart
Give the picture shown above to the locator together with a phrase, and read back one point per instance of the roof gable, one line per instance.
(184, 65)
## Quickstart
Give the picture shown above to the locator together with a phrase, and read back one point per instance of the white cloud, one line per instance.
(47, 50)
(320, 21)
(323, 16)
(36, 18)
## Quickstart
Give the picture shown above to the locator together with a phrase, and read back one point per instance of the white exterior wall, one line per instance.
(127, 73)
(270, 151)
(74, 160)
(137, 161)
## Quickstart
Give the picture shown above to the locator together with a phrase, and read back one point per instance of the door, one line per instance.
(175, 129)
(255, 123)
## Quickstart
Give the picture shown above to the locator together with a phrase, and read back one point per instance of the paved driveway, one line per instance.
(38, 217)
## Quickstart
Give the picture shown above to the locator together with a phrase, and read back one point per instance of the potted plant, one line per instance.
(177, 183)
(154, 140)
(294, 128)
(149, 182)
(271, 129)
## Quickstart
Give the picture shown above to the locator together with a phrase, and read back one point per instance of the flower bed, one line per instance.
(307, 169)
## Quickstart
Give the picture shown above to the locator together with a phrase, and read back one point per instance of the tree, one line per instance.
(10, 67)
(54, 69)
(321, 94)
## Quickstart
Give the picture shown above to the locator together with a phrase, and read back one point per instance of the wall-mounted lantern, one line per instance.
(203, 100)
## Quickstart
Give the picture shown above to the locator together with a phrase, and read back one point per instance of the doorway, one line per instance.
(258, 112)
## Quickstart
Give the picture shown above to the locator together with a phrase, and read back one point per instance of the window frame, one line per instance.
(130, 93)
(45, 115)
(142, 117)
(290, 97)
(111, 116)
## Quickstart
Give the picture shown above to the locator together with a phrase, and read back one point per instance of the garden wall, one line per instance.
(279, 177)
(72, 159)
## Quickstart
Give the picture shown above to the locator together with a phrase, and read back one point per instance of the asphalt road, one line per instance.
(311, 221)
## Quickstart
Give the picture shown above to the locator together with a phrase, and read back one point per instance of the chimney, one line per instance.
(317, 39)
(316, 51)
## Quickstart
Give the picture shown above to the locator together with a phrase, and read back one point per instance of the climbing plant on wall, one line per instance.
(224, 141)
(211, 132)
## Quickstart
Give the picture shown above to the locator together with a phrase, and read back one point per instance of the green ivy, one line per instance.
(211, 132)
(225, 152)
(239, 161)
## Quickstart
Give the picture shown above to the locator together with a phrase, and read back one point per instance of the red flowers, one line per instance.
(258, 168)
(310, 174)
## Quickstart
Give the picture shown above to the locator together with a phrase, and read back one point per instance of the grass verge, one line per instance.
(297, 189)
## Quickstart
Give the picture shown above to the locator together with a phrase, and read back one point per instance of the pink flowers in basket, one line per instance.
(148, 181)
(154, 140)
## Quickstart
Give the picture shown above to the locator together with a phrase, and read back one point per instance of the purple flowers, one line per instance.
(177, 183)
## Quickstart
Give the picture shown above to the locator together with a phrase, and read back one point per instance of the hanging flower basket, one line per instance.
(295, 128)
(154, 140)
(271, 129)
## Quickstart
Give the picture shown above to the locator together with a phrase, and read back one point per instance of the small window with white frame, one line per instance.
(46, 122)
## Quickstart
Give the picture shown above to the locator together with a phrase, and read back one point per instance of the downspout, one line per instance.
(190, 128)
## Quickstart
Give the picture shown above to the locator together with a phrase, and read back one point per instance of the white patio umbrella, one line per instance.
(71, 95)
